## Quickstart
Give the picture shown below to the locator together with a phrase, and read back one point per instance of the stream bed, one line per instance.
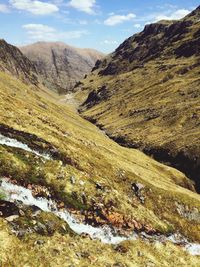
(106, 234)
(11, 142)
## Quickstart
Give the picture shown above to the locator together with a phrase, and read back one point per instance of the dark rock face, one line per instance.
(97, 96)
(156, 40)
(189, 49)
(13, 61)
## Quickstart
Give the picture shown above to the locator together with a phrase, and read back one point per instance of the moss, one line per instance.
(45, 224)
(2, 196)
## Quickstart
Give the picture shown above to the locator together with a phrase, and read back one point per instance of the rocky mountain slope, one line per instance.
(14, 62)
(63, 182)
(61, 66)
(146, 94)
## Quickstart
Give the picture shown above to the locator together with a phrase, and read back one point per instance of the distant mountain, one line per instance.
(147, 93)
(61, 66)
(14, 62)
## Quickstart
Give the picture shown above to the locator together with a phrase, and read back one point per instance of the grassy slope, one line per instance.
(155, 106)
(173, 102)
(93, 157)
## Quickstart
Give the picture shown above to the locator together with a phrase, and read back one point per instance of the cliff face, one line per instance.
(61, 66)
(147, 93)
(13, 61)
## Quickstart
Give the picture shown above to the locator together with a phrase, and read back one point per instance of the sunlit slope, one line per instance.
(92, 157)
(146, 94)
(84, 152)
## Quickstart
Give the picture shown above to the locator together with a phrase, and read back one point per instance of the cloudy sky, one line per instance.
(99, 24)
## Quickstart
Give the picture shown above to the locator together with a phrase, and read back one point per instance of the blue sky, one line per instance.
(99, 24)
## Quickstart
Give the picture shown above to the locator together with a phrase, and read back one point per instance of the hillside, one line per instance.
(61, 66)
(146, 94)
(70, 196)
(14, 62)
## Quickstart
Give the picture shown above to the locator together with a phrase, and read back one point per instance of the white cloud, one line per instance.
(40, 32)
(4, 8)
(118, 19)
(34, 6)
(109, 42)
(86, 6)
(178, 14)
(137, 25)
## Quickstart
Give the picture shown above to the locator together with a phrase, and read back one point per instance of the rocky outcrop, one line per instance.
(13, 61)
(156, 40)
(61, 66)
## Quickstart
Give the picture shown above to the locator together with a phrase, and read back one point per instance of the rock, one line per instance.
(50, 225)
(8, 209)
(21, 212)
(39, 242)
(96, 96)
(72, 179)
(61, 176)
(121, 248)
(85, 254)
(115, 219)
(55, 251)
(84, 235)
(84, 198)
(99, 186)
(21, 233)
(142, 199)
(40, 228)
(137, 187)
(12, 218)
(61, 205)
(81, 182)
(139, 254)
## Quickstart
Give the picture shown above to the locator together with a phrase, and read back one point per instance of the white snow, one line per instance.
(17, 144)
(104, 234)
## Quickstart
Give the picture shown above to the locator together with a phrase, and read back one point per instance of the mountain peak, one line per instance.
(59, 65)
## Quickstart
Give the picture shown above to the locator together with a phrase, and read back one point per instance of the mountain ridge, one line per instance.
(13, 61)
(61, 66)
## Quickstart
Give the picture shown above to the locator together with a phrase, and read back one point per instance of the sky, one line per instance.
(98, 24)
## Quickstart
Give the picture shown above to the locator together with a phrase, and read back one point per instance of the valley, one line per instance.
(102, 168)
(148, 98)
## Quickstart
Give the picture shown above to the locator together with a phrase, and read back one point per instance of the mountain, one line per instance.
(14, 62)
(61, 66)
(69, 195)
(146, 94)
